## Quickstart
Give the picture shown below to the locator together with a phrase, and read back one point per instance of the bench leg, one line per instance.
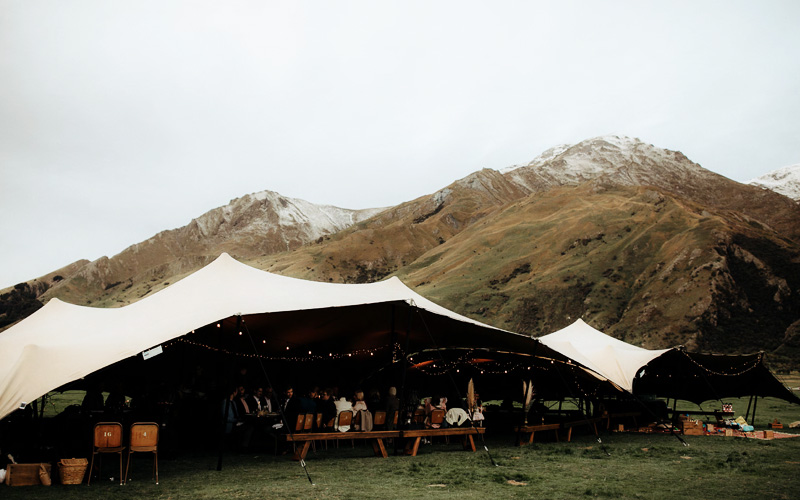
(412, 447)
(301, 455)
(380, 450)
(469, 443)
(569, 434)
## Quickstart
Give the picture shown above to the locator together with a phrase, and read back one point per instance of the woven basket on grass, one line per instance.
(72, 470)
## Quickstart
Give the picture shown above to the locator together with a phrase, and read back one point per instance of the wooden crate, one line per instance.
(24, 474)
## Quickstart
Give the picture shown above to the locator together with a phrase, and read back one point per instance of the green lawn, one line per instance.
(636, 466)
(625, 466)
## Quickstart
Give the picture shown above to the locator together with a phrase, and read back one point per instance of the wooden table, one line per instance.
(414, 436)
(307, 438)
(555, 427)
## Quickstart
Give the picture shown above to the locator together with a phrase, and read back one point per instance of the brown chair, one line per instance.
(419, 416)
(318, 422)
(308, 426)
(379, 420)
(144, 437)
(308, 422)
(437, 417)
(345, 418)
(300, 423)
(107, 439)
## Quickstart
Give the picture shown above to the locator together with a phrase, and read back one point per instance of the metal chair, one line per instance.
(144, 438)
(107, 439)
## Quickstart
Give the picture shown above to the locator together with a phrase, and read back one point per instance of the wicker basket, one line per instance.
(72, 470)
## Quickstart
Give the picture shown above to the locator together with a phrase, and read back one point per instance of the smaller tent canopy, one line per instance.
(699, 377)
(672, 373)
(63, 342)
(614, 359)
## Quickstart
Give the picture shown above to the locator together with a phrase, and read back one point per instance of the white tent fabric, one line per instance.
(62, 342)
(614, 359)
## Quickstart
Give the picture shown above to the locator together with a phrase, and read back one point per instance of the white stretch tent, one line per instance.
(614, 359)
(62, 342)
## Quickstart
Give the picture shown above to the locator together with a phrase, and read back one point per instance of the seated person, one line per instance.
(327, 407)
(364, 415)
(241, 402)
(392, 406)
(308, 403)
(257, 403)
(291, 408)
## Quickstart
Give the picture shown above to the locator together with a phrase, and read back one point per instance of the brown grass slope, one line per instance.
(638, 263)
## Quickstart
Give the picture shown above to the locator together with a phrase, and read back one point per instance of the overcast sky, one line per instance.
(122, 119)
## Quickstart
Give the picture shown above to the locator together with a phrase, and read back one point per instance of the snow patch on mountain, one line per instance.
(785, 181)
(610, 158)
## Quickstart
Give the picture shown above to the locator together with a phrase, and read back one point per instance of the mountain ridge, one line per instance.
(642, 243)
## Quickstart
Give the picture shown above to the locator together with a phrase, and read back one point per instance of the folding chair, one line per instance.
(437, 418)
(345, 418)
(144, 438)
(318, 422)
(107, 439)
(299, 425)
(308, 426)
(379, 420)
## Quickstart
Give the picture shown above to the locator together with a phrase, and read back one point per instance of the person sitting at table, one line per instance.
(257, 403)
(308, 402)
(241, 402)
(392, 405)
(374, 402)
(291, 408)
(327, 407)
(360, 408)
(342, 405)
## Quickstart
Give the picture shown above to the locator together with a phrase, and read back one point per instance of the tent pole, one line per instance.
(221, 450)
(452, 380)
(402, 409)
(755, 404)
(289, 428)
(747, 413)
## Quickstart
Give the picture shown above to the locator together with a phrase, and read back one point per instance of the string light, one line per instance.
(310, 357)
(754, 365)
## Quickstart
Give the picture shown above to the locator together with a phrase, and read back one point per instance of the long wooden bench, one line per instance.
(555, 427)
(414, 436)
(307, 438)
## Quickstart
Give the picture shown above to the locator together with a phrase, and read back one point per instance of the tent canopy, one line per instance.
(701, 377)
(62, 342)
(672, 373)
(614, 359)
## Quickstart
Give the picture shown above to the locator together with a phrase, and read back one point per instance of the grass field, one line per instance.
(636, 466)
(623, 466)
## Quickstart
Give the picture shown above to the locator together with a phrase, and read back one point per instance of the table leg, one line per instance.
(379, 449)
(301, 454)
(469, 443)
(413, 446)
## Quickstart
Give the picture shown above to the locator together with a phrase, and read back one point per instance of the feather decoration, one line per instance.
(471, 396)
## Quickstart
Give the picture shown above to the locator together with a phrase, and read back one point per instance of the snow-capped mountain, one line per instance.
(610, 158)
(785, 181)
